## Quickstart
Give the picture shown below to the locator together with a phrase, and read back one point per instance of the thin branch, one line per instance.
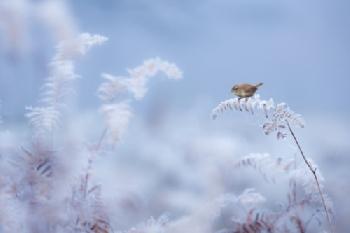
(313, 171)
(102, 137)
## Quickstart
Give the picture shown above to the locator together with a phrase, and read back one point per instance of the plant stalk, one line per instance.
(313, 171)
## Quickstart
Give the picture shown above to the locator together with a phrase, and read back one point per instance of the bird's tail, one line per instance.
(259, 84)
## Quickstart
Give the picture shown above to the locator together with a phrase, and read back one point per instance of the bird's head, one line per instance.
(234, 88)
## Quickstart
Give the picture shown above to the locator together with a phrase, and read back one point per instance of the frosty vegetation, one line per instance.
(46, 189)
(115, 107)
(306, 189)
(45, 118)
(277, 115)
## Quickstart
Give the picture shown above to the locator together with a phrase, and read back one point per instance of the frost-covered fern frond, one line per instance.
(271, 167)
(236, 208)
(117, 117)
(58, 85)
(249, 105)
(115, 109)
(33, 170)
(43, 117)
(150, 67)
(70, 49)
(299, 177)
(111, 88)
(282, 115)
(136, 81)
(267, 166)
(252, 212)
(277, 115)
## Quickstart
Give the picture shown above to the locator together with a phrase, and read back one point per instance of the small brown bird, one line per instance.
(245, 90)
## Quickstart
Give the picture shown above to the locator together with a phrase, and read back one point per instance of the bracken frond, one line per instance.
(58, 85)
(117, 111)
(277, 115)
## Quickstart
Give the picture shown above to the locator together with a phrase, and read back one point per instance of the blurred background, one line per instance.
(174, 156)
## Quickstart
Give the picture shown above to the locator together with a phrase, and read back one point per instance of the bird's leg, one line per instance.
(239, 103)
(246, 104)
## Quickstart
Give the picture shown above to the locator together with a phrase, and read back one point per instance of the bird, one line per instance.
(245, 90)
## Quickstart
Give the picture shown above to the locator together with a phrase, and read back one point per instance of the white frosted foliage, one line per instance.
(277, 115)
(58, 85)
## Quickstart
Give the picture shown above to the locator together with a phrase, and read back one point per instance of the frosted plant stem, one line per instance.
(102, 137)
(313, 171)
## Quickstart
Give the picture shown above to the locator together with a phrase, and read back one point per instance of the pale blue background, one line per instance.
(299, 49)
